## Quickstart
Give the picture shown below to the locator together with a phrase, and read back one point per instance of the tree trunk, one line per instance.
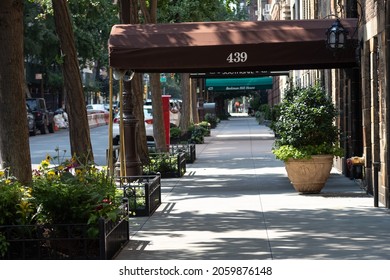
(80, 142)
(14, 142)
(194, 101)
(137, 87)
(185, 118)
(138, 100)
(150, 15)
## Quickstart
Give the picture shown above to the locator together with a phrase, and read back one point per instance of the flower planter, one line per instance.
(168, 166)
(309, 175)
(189, 151)
(143, 193)
(65, 241)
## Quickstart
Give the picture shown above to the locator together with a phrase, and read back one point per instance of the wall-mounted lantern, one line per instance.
(336, 36)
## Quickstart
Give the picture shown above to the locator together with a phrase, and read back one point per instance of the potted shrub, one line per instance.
(307, 137)
(211, 119)
(197, 133)
(175, 134)
(207, 126)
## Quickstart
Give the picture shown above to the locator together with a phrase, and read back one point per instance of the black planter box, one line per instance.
(167, 165)
(65, 241)
(189, 151)
(143, 193)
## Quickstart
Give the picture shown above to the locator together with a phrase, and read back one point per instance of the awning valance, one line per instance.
(232, 46)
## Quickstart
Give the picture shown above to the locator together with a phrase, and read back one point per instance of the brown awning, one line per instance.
(231, 46)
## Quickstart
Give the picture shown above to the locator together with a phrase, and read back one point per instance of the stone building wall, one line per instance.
(375, 95)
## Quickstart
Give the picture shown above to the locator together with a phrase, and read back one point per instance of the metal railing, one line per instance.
(188, 149)
(143, 193)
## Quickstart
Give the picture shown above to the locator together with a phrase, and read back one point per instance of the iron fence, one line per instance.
(189, 151)
(143, 193)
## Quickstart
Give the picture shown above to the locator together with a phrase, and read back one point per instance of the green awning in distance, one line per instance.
(239, 84)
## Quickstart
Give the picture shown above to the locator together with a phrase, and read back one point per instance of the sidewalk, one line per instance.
(235, 202)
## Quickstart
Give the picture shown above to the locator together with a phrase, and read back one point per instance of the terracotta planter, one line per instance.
(309, 175)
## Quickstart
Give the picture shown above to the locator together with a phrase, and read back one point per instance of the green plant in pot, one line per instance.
(307, 137)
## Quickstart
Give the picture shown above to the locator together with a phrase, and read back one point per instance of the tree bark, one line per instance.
(14, 142)
(150, 16)
(138, 100)
(194, 101)
(80, 142)
(185, 118)
(137, 87)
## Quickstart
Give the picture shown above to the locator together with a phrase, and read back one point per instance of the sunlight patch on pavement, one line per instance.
(244, 135)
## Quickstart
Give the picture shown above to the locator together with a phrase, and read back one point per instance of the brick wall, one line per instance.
(369, 9)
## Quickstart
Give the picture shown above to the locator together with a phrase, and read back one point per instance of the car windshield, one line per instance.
(148, 111)
(32, 104)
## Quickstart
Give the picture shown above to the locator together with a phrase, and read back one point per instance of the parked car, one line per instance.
(101, 107)
(97, 107)
(175, 110)
(43, 117)
(32, 125)
(148, 126)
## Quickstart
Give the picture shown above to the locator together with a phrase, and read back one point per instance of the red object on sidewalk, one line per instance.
(166, 110)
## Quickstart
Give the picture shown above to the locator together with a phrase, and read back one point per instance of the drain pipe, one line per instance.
(376, 191)
(387, 49)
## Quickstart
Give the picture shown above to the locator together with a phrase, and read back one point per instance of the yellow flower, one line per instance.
(51, 174)
(8, 181)
(1, 173)
(45, 163)
(28, 192)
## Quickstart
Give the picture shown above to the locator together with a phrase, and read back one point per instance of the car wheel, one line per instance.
(51, 128)
(33, 132)
(44, 129)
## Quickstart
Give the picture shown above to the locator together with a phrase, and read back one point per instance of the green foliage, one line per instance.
(266, 110)
(92, 22)
(287, 151)
(163, 163)
(264, 113)
(74, 193)
(67, 193)
(3, 245)
(16, 204)
(136, 195)
(197, 133)
(275, 114)
(259, 116)
(206, 126)
(306, 124)
(175, 132)
(255, 102)
(211, 119)
(199, 11)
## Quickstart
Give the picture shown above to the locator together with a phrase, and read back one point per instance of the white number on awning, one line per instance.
(237, 57)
